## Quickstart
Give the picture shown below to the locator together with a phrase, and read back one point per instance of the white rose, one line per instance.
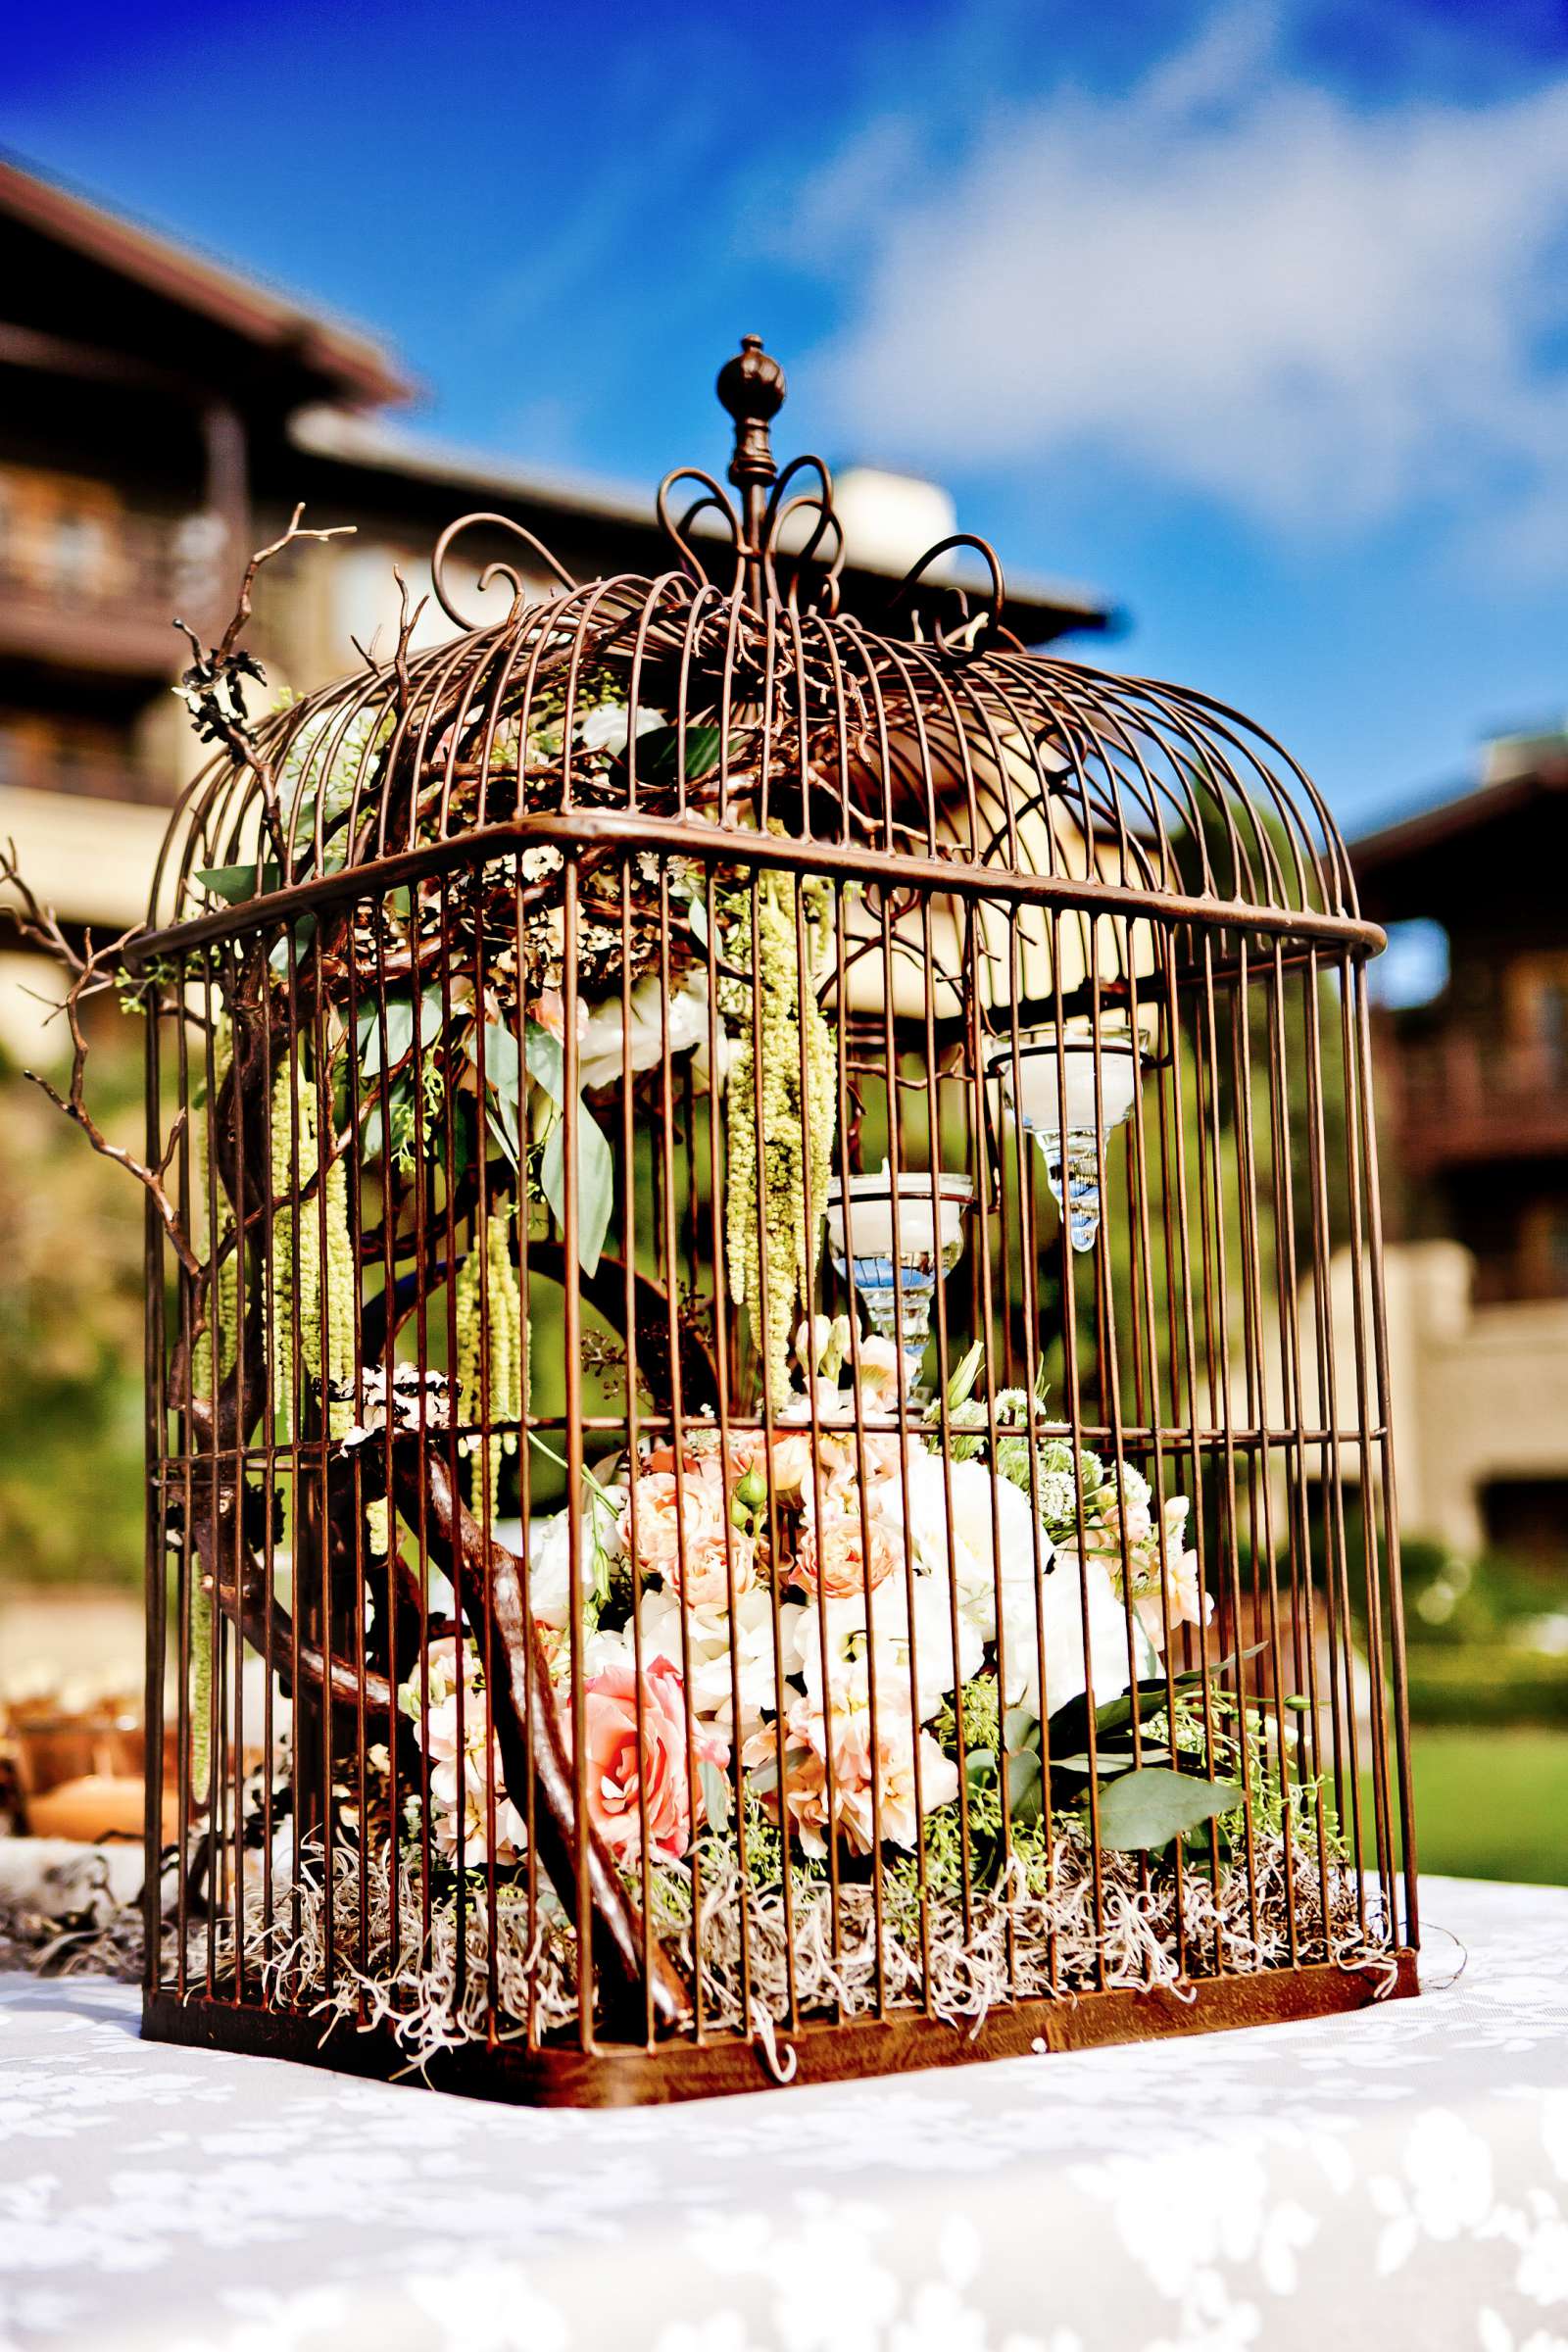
(983, 1508)
(549, 1556)
(1062, 1615)
(848, 1647)
(710, 1683)
(607, 728)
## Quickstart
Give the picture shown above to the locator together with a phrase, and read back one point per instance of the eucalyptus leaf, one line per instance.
(304, 933)
(1025, 1782)
(1151, 1695)
(502, 1121)
(237, 883)
(1144, 1810)
(1110, 1761)
(715, 1794)
(596, 1184)
(399, 1017)
(1028, 1804)
(400, 1113)
(400, 1028)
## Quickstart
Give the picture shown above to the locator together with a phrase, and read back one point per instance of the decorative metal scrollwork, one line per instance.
(494, 571)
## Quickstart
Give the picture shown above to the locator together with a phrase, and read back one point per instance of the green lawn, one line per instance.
(1491, 1803)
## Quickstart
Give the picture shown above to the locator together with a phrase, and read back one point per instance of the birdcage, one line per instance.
(771, 1440)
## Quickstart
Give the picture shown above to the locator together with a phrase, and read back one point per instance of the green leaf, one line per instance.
(1025, 1782)
(1110, 1761)
(399, 1021)
(596, 1184)
(237, 883)
(546, 1060)
(715, 1794)
(399, 1035)
(1145, 1809)
(502, 1121)
(304, 933)
(400, 1120)
(1020, 1730)
(656, 752)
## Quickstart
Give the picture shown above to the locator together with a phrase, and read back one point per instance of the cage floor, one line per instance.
(615, 2074)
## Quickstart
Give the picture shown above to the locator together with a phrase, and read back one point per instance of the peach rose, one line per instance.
(900, 1757)
(680, 1534)
(1184, 1594)
(791, 1464)
(840, 1556)
(625, 1771)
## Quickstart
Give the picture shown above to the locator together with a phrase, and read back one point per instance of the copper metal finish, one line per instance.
(994, 863)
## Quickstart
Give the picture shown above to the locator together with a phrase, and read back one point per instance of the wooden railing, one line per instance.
(98, 777)
(135, 564)
(1465, 1098)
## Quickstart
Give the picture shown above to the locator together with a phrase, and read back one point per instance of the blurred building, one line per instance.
(159, 418)
(1473, 1050)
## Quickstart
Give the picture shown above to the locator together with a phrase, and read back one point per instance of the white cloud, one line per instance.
(1238, 283)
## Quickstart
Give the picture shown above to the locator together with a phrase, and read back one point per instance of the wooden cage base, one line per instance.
(614, 2076)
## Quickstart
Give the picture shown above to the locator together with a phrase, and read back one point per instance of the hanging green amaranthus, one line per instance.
(487, 1308)
(324, 1296)
(765, 1210)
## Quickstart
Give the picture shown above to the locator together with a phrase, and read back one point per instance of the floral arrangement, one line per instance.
(827, 1625)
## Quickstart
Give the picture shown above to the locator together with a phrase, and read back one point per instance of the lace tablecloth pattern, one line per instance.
(1394, 2178)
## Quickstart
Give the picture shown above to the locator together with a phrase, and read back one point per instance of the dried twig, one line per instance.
(92, 969)
(213, 691)
(408, 623)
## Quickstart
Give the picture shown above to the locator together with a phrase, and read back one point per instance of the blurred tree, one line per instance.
(71, 1312)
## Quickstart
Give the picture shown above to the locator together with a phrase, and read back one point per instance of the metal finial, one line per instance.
(751, 387)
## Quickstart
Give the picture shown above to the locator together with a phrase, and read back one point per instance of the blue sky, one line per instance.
(1253, 318)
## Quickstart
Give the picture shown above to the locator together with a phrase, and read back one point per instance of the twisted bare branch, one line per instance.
(91, 969)
(212, 687)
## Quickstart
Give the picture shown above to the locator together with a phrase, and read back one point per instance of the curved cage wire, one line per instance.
(779, 1460)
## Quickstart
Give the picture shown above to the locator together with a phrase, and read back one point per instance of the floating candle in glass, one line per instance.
(896, 1274)
(1052, 1095)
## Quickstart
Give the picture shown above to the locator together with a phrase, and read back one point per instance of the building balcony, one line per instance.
(1459, 1100)
(92, 776)
(102, 597)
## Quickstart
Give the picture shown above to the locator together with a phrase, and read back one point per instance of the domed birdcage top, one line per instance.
(733, 695)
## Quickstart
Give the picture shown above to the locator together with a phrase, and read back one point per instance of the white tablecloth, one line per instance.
(1390, 2180)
